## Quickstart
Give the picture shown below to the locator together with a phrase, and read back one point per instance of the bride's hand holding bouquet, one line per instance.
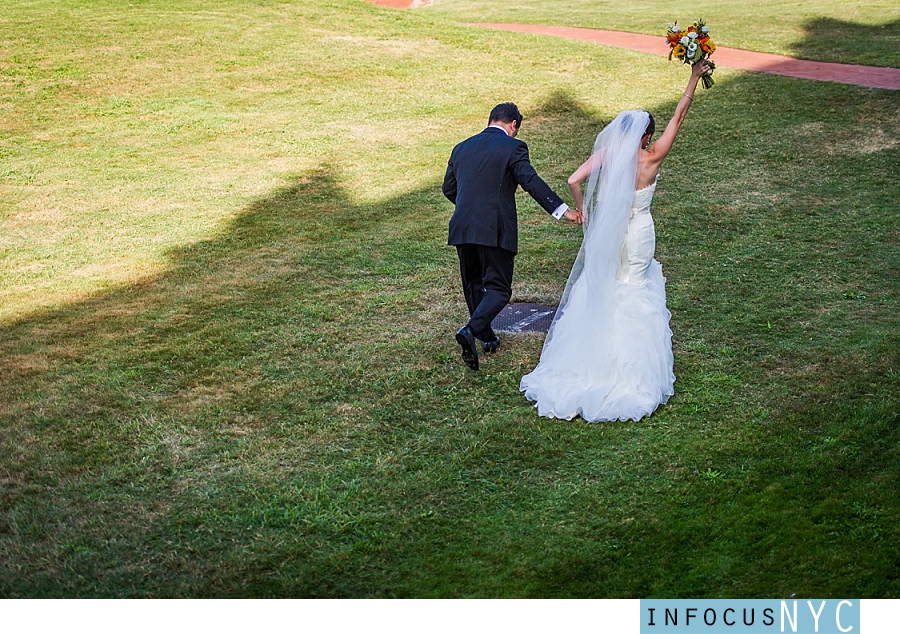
(692, 46)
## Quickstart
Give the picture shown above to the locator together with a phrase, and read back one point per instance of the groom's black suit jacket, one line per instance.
(481, 180)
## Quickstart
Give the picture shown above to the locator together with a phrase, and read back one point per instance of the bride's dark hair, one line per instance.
(651, 127)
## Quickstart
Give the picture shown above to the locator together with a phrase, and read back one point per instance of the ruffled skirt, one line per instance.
(618, 367)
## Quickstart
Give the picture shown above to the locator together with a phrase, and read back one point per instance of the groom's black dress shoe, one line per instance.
(490, 347)
(466, 339)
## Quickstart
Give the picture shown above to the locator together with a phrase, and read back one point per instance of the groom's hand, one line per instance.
(573, 215)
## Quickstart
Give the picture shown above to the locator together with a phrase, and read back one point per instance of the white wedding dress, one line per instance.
(608, 355)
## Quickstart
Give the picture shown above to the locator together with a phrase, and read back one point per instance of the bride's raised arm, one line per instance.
(659, 150)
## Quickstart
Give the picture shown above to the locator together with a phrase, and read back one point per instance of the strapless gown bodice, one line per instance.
(640, 240)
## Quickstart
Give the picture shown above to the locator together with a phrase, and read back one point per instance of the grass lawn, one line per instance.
(226, 314)
(853, 32)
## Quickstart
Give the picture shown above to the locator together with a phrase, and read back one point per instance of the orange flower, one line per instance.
(708, 46)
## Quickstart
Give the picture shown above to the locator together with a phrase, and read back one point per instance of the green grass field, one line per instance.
(227, 364)
(852, 32)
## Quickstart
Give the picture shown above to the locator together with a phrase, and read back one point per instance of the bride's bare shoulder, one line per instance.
(648, 168)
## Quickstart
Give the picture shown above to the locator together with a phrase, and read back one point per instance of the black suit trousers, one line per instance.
(487, 274)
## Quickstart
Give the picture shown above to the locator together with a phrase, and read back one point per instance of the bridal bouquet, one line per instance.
(691, 46)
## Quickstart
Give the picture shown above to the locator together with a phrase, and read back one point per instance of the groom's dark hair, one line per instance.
(506, 113)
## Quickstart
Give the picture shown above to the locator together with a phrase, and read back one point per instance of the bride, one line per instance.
(608, 355)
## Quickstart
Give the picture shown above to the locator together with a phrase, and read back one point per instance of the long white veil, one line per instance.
(607, 201)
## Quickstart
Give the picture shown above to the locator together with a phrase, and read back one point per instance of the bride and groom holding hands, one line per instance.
(608, 354)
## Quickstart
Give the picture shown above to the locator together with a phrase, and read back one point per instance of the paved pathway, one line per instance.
(402, 4)
(870, 76)
(394, 4)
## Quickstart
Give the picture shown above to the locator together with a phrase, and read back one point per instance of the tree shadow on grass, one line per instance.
(834, 40)
(300, 330)
(282, 412)
(305, 260)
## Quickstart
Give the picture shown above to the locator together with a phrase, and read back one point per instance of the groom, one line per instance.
(481, 180)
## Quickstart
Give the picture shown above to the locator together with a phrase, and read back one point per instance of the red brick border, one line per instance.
(394, 4)
(870, 76)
